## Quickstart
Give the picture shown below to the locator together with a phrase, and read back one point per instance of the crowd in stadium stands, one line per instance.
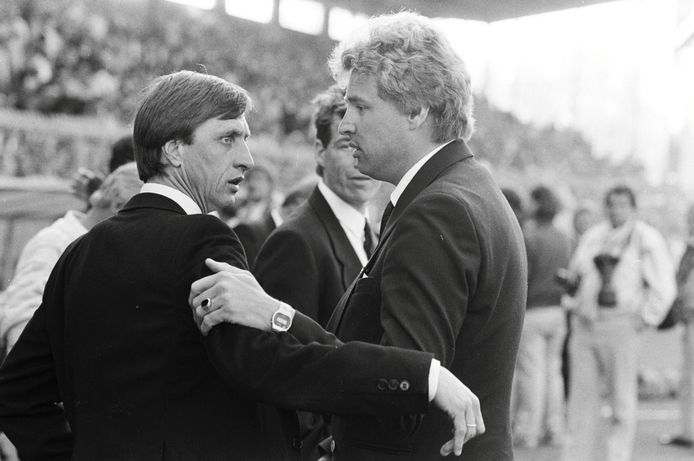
(94, 57)
(81, 57)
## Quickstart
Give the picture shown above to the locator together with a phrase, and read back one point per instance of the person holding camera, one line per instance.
(627, 283)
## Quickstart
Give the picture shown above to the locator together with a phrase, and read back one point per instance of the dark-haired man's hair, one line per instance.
(174, 106)
(329, 105)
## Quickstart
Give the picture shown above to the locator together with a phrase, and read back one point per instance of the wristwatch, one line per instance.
(282, 318)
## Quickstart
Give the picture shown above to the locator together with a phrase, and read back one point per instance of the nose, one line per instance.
(244, 161)
(347, 124)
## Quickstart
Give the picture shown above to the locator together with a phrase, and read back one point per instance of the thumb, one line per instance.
(217, 266)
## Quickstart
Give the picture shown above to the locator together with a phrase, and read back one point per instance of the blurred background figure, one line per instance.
(584, 217)
(86, 181)
(255, 201)
(684, 313)
(627, 284)
(516, 203)
(539, 417)
(23, 295)
(254, 233)
(255, 212)
(296, 196)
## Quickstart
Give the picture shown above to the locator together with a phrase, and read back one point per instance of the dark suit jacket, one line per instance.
(449, 277)
(253, 234)
(308, 261)
(115, 342)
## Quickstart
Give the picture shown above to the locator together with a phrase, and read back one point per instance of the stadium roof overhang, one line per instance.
(481, 10)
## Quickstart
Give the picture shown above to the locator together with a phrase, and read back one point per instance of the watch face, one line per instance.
(281, 321)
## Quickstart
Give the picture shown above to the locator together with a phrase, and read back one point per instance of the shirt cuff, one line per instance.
(434, 371)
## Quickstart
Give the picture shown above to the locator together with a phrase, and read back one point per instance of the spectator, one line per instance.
(583, 219)
(85, 181)
(516, 203)
(256, 195)
(122, 152)
(296, 196)
(684, 309)
(539, 383)
(627, 284)
(255, 211)
(23, 294)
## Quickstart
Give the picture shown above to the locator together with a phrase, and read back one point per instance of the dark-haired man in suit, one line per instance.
(112, 365)
(310, 260)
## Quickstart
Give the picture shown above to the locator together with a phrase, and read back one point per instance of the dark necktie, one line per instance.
(368, 239)
(386, 215)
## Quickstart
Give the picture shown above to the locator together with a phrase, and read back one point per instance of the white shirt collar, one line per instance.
(276, 217)
(351, 220)
(344, 212)
(407, 177)
(185, 202)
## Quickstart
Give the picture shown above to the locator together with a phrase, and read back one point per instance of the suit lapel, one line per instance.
(452, 153)
(342, 249)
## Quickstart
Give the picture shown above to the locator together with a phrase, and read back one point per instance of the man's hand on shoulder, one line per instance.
(458, 401)
(230, 295)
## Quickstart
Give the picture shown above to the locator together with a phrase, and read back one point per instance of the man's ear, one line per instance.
(172, 153)
(417, 117)
(319, 152)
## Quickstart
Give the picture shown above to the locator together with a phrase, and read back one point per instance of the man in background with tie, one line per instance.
(311, 259)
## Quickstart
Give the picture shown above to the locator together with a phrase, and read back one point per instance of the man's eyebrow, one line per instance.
(235, 133)
(353, 99)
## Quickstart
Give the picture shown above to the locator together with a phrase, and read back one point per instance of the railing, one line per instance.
(34, 144)
(38, 154)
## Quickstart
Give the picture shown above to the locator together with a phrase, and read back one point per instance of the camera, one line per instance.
(606, 264)
(568, 280)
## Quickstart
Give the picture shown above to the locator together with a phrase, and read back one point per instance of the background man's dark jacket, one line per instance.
(253, 234)
(308, 261)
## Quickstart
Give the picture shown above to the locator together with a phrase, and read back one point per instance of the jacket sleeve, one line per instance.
(308, 368)
(29, 394)
(286, 269)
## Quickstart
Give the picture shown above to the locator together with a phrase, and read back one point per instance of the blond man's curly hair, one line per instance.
(415, 67)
